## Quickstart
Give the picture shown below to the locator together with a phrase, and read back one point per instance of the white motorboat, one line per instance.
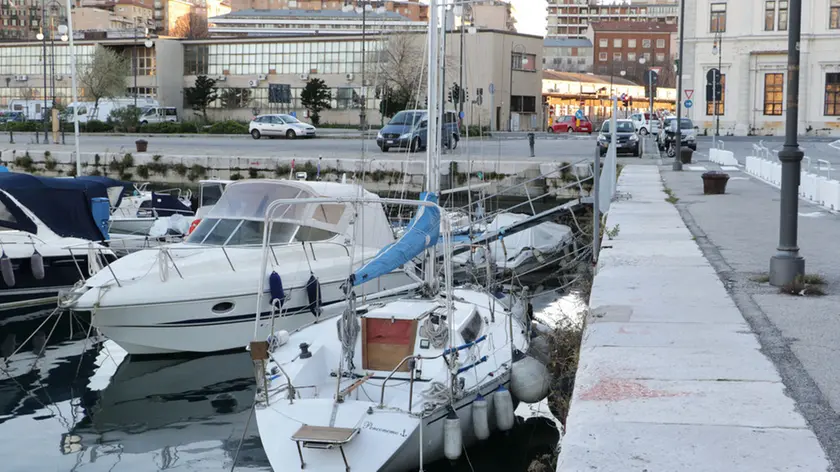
(198, 296)
(145, 211)
(49, 238)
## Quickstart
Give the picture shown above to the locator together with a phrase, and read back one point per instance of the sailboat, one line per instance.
(400, 383)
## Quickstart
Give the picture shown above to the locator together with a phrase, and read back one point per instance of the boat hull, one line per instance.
(200, 326)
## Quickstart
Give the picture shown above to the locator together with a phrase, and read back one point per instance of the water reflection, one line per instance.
(83, 405)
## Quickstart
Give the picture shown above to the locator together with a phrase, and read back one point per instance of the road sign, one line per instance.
(688, 103)
(689, 93)
(492, 88)
(461, 115)
(651, 77)
(579, 114)
(713, 75)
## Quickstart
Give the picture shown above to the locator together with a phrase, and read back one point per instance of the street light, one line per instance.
(148, 43)
(513, 47)
(786, 265)
(717, 50)
(75, 95)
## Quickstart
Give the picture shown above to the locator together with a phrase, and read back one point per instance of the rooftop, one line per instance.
(260, 13)
(634, 26)
(584, 78)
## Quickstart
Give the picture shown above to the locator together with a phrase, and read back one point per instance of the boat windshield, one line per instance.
(237, 219)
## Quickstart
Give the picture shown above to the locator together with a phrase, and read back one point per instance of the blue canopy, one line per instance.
(117, 188)
(422, 232)
(163, 204)
(63, 204)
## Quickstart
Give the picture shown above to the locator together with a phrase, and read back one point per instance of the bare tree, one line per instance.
(401, 68)
(104, 76)
(29, 93)
(191, 25)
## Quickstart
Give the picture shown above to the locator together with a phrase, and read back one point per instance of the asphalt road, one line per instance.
(548, 148)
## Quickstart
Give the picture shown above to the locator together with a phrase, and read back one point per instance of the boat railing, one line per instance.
(165, 258)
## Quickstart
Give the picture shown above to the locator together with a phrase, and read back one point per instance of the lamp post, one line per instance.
(513, 47)
(677, 158)
(787, 264)
(363, 112)
(73, 86)
(717, 50)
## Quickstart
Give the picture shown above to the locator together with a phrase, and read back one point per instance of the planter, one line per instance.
(685, 155)
(141, 144)
(714, 183)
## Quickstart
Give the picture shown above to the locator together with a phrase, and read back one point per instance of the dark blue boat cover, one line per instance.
(126, 188)
(63, 204)
(164, 205)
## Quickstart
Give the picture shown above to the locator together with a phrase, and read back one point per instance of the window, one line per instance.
(523, 103)
(660, 57)
(617, 56)
(195, 59)
(834, 14)
(346, 97)
(773, 94)
(832, 94)
(631, 43)
(603, 43)
(602, 56)
(646, 43)
(783, 15)
(617, 43)
(646, 56)
(524, 62)
(631, 56)
(660, 44)
(710, 99)
(717, 18)
(769, 15)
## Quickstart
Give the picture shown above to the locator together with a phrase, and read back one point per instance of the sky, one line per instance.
(530, 16)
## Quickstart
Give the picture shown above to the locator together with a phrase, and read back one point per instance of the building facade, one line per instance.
(314, 22)
(567, 55)
(500, 70)
(750, 37)
(492, 14)
(21, 19)
(571, 18)
(411, 9)
(620, 46)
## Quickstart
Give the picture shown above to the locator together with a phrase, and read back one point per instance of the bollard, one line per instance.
(531, 143)
(62, 135)
(11, 137)
(37, 137)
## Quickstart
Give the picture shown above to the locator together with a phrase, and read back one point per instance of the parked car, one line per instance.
(644, 124)
(280, 125)
(158, 115)
(689, 134)
(12, 117)
(408, 129)
(568, 124)
(626, 137)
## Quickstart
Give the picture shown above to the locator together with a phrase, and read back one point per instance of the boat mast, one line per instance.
(433, 130)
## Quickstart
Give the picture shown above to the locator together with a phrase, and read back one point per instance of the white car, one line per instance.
(644, 124)
(280, 125)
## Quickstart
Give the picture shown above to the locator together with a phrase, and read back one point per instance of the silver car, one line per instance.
(280, 125)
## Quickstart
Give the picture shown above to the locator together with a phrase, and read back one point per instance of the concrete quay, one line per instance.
(672, 376)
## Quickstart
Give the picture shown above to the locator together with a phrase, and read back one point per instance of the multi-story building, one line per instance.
(501, 72)
(21, 19)
(571, 18)
(314, 22)
(122, 14)
(412, 9)
(619, 46)
(567, 54)
(747, 41)
(492, 14)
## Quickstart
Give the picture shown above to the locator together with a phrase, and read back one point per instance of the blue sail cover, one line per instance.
(63, 204)
(109, 183)
(422, 232)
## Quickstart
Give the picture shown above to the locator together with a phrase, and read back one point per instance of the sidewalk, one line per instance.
(671, 376)
(739, 232)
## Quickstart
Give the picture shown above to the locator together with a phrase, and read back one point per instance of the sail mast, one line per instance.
(433, 130)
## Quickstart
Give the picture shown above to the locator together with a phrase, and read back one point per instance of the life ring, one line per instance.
(193, 225)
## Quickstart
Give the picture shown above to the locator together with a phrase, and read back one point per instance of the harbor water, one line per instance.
(83, 405)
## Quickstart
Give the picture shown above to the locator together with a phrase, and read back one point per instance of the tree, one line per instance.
(315, 97)
(235, 98)
(201, 95)
(191, 25)
(104, 76)
(392, 102)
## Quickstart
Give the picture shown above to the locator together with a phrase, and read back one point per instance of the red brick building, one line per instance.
(619, 46)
